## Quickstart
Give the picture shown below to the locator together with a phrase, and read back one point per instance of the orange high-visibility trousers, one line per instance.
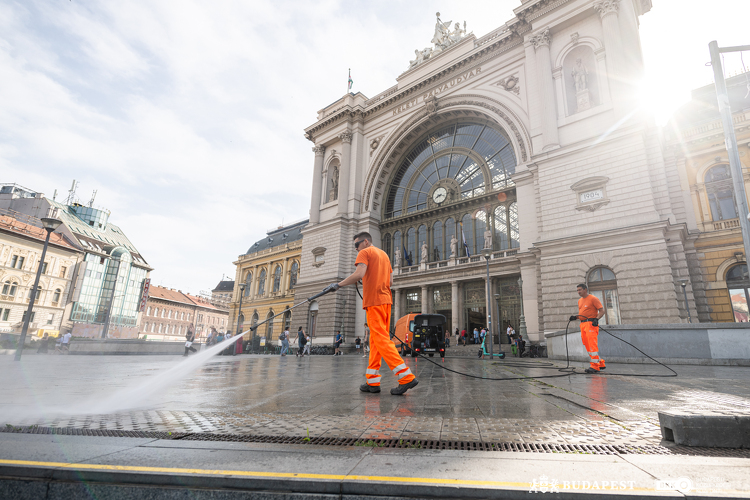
(382, 347)
(590, 337)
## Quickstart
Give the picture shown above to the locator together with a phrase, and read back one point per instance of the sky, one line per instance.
(187, 116)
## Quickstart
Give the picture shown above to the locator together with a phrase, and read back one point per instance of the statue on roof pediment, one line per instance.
(442, 39)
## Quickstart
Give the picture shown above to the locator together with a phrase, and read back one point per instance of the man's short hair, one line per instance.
(365, 235)
(582, 285)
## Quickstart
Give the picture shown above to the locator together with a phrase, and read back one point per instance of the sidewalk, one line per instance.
(573, 428)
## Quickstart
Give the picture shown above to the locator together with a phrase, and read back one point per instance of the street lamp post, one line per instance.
(522, 319)
(49, 225)
(239, 311)
(683, 284)
(487, 253)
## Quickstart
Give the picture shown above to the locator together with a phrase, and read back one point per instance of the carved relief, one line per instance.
(431, 106)
(374, 144)
(319, 150)
(346, 137)
(510, 84)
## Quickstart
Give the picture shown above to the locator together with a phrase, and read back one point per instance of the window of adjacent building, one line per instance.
(36, 296)
(44, 268)
(720, 193)
(738, 283)
(160, 328)
(262, 283)
(148, 311)
(152, 327)
(293, 276)
(17, 262)
(269, 325)
(56, 297)
(63, 271)
(248, 280)
(603, 285)
(9, 288)
(277, 279)
(33, 315)
(50, 318)
(5, 314)
(182, 315)
(162, 313)
(169, 315)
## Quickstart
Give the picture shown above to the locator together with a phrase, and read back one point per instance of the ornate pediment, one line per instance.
(443, 38)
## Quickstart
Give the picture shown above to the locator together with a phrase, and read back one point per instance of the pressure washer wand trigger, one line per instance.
(328, 289)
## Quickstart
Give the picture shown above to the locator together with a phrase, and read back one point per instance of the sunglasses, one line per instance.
(357, 243)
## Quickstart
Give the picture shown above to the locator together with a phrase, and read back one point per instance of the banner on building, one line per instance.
(144, 294)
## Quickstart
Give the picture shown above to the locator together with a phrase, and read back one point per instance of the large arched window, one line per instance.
(248, 280)
(480, 225)
(277, 279)
(9, 289)
(387, 245)
(411, 247)
(262, 283)
(467, 228)
(720, 193)
(603, 285)
(255, 319)
(56, 297)
(438, 244)
(468, 159)
(738, 283)
(269, 325)
(450, 232)
(293, 275)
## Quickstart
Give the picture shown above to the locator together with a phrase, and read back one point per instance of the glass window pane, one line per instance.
(607, 275)
(467, 235)
(450, 232)
(513, 223)
(438, 250)
(480, 226)
(500, 236)
(738, 296)
(421, 239)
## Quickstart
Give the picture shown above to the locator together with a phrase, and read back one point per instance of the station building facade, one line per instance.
(526, 141)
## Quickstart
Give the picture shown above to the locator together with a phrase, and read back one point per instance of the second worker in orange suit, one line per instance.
(590, 311)
(373, 267)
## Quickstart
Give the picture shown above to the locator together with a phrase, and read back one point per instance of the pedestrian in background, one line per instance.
(189, 339)
(338, 341)
(43, 344)
(476, 336)
(301, 342)
(308, 343)
(284, 338)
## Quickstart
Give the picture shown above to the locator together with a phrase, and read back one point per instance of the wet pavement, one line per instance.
(318, 396)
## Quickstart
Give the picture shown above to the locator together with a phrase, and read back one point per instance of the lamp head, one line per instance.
(50, 224)
(486, 253)
(242, 286)
(683, 283)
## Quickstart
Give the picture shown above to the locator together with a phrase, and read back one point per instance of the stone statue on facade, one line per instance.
(580, 76)
(334, 192)
(397, 258)
(488, 239)
(454, 246)
(442, 38)
(580, 80)
(436, 254)
(425, 252)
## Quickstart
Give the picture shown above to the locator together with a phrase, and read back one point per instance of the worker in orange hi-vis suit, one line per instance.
(590, 310)
(373, 267)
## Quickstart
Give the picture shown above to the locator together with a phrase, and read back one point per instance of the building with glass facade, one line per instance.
(525, 144)
(108, 283)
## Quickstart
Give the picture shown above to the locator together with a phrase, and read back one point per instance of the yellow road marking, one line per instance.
(292, 475)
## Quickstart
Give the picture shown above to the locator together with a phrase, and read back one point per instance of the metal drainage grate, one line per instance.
(589, 449)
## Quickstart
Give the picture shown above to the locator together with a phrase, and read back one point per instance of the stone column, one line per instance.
(524, 178)
(426, 309)
(530, 297)
(396, 304)
(631, 41)
(608, 11)
(317, 186)
(546, 86)
(454, 307)
(346, 161)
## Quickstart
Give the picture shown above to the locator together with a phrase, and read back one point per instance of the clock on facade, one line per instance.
(439, 195)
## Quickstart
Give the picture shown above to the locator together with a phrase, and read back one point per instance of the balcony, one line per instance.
(456, 262)
(726, 224)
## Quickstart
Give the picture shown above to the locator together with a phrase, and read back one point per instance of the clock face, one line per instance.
(440, 194)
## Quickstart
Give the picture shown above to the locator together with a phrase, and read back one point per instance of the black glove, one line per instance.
(573, 318)
(331, 288)
(594, 322)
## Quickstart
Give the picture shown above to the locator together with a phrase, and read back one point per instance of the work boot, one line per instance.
(369, 388)
(402, 388)
(602, 368)
(590, 370)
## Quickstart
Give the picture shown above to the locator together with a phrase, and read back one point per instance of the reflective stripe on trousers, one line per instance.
(382, 347)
